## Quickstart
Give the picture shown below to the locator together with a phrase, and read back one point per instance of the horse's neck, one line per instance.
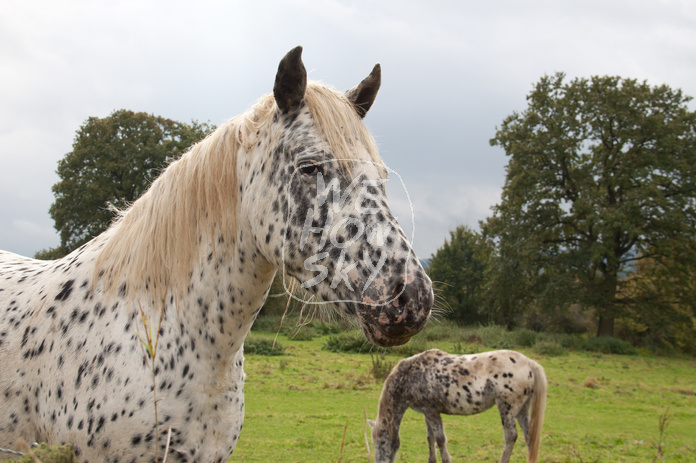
(227, 291)
(392, 407)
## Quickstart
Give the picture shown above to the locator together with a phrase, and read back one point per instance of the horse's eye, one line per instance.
(310, 170)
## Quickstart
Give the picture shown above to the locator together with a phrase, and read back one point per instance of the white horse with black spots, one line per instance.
(191, 263)
(435, 382)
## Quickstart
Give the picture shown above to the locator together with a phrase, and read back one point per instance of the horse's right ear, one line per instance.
(371, 423)
(290, 82)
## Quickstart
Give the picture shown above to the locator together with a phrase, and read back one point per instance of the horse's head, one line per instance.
(331, 227)
(385, 439)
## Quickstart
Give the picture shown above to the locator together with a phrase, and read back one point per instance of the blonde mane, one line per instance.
(152, 247)
(340, 125)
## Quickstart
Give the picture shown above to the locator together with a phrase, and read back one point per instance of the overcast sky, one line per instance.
(452, 71)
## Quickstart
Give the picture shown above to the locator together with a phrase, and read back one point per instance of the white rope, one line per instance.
(14, 452)
(11, 452)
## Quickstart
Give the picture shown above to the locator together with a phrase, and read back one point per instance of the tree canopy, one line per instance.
(601, 175)
(113, 161)
(457, 270)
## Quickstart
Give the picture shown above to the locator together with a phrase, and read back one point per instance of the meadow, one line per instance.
(309, 404)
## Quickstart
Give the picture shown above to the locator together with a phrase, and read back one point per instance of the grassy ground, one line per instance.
(309, 406)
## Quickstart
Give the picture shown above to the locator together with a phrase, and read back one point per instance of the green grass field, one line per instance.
(309, 406)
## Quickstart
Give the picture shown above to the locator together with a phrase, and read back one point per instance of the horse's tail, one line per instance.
(537, 411)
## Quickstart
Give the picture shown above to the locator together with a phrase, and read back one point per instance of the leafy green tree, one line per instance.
(601, 174)
(662, 312)
(507, 296)
(113, 161)
(457, 270)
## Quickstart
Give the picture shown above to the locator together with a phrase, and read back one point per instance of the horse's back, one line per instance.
(19, 276)
(27, 285)
(497, 365)
(19, 271)
(468, 384)
(12, 264)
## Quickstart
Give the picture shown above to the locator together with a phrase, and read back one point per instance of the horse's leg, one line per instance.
(436, 434)
(432, 458)
(510, 428)
(523, 420)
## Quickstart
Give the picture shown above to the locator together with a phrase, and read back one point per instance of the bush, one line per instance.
(466, 349)
(488, 337)
(524, 337)
(609, 345)
(267, 324)
(334, 327)
(351, 342)
(381, 367)
(302, 333)
(550, 348)
(440, 330)
(571, 341)
(305, 331)
(413, 347)
(493, 336)
(254, 345)
(354, 342)
(568, 341)
(659, 333)
(294, 327)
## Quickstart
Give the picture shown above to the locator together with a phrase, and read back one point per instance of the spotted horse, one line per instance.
(435, 382)
(191, 262)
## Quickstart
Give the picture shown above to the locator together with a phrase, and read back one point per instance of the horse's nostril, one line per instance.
(400, 295)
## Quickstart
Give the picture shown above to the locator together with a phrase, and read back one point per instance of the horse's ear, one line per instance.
(371, 423)
(290, 82)
(363, 95)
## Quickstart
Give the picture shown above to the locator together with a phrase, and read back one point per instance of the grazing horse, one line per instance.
(161, 302)
(435, 382)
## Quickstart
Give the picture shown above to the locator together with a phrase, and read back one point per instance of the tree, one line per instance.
(662, 313)
(601, 175)
(457, 270)
(113, 161)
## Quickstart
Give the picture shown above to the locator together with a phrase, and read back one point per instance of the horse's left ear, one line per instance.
(363, 95)
(371, 423)
(290, 82)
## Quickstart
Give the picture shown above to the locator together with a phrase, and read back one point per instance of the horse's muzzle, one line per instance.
(402, 316)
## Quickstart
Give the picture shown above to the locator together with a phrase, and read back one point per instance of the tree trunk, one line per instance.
(605, 327)
(607, 292)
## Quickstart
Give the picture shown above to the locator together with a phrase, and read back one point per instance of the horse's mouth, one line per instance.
(392, 324)
(376, 336)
